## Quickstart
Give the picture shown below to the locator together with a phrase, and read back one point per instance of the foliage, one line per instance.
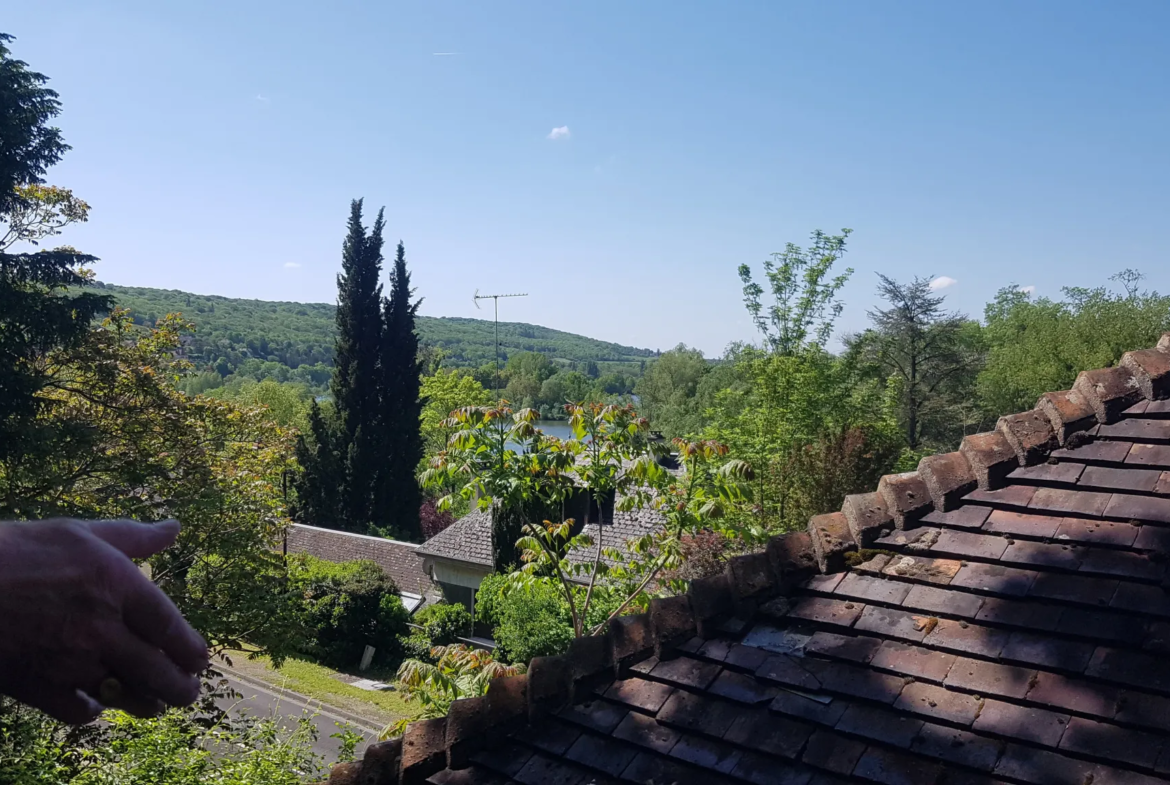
(443, 623)
(346, 607)
(921, 346)
(779, 406)
(433, 520)
(529, 620)
(28, 144)
(261, 339)
(805, 306)
(359, 458)
(697, 498)
(356, 384)
(286, 404)
(41, 211)
(668, 391)
(532, 619)
(397, 496)
(1038, 345)
(181, 747)
(498, 459)
(141, 449)
(444, 392)
(318, 486)
(458, 672)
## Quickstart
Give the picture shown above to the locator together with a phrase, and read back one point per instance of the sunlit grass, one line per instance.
(317, 681)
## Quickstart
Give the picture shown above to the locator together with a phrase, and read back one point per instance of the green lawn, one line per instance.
(317, 681)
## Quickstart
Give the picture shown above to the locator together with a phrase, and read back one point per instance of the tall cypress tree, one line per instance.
(399, 496)
(320, 483)
(346, 451)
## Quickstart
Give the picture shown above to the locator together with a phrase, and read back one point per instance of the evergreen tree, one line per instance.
(40, 307)
(346, 451)
(399, 496)
(319, 486)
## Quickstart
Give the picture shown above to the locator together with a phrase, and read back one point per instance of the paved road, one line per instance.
(263, 702)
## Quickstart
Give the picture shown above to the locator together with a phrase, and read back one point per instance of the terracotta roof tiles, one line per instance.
(1015, 629)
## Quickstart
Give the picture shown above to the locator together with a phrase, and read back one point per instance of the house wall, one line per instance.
(459, 582)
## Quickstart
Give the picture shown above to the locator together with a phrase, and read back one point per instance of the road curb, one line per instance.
(328, 709)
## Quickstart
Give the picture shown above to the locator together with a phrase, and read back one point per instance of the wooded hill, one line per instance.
(295, 334)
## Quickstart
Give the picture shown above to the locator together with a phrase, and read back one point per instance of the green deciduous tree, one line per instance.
(805, 303)
(444, 392)
(139, 448)
(793, 401)
(668, 393)
(1038, 345)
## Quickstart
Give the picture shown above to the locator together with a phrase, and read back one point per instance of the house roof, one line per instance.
(468, 539)
(1006, 620)
(398, 559)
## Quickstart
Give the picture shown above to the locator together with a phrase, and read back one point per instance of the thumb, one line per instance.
(136, 540)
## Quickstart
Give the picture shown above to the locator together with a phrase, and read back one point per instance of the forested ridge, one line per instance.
(295, 334)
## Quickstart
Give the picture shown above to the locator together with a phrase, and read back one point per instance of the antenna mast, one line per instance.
(495, 298)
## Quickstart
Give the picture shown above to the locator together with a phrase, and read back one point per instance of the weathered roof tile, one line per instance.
(1020, 635)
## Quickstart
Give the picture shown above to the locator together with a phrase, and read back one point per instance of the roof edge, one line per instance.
(750, 581)
(354, 534)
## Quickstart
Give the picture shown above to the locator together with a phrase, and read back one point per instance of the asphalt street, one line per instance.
(265, 702)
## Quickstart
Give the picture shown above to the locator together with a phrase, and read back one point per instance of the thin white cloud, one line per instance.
(292, 265)
(560, 132)
(942, 282)
(263, 99)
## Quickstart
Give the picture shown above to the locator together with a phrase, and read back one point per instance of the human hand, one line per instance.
(80, 623)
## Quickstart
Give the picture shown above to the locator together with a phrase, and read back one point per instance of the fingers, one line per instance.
(150, 614)
(61, 703)
(136, 540)
(114, 695)
(143, 670)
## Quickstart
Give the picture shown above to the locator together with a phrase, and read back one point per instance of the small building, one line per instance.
(399, 560)
(461, 556)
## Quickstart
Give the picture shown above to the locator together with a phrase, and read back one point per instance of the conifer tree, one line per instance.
(319, 485)
(347, 452)
(399, 497)
(41, 308)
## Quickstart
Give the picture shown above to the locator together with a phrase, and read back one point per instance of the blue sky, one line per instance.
(991, 143)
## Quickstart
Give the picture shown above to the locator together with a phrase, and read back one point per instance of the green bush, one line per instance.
(534, 621)
(443, 623)
(347, 606)
(437, 625)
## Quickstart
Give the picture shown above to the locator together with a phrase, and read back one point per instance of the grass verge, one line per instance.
(317, 681)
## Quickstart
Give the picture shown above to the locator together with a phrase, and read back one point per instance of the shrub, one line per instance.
(533, 620)
(347, 606)
(443, 623)
(433, 519)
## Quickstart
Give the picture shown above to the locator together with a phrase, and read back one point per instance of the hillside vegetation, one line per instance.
(231, 331)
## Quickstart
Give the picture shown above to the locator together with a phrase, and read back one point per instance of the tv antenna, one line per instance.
(495, 298)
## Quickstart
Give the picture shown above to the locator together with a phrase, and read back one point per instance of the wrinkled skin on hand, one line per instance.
(81, 626)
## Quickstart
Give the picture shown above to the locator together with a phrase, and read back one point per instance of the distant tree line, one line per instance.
(237, 339)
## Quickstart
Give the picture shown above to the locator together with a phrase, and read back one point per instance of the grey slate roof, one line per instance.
(626, 526)
(398, 559)
(468, 540)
